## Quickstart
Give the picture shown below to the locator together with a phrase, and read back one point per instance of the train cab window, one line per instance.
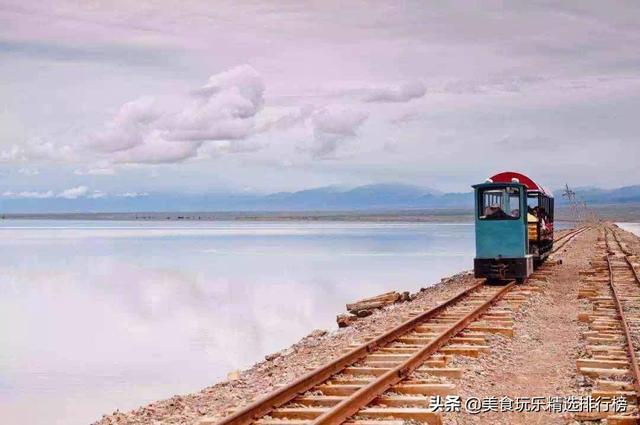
(499, 203)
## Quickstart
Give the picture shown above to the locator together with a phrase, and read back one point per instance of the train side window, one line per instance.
(514, 202)
(499, 203)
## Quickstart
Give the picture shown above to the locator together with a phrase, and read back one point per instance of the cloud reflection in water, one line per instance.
(98, 317)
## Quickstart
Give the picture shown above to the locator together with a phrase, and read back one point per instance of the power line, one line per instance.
(579, 208)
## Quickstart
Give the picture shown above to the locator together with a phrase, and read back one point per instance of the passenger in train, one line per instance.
(495, 213)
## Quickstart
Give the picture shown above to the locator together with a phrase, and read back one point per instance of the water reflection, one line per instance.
(99, 316)
(630, 227)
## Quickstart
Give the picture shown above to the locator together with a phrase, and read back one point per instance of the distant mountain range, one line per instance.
(622, 195)
(371, 197)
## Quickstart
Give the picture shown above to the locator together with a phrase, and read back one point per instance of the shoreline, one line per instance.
(463, 219)
(281, 367)
(320, 346)
(409, 216)
(608, 212)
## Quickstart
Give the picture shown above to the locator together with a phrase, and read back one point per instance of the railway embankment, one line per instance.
(525, 344)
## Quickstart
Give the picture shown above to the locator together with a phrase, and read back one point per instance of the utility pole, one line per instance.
(570, 195)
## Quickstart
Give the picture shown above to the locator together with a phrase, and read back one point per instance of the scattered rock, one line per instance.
(272, 356)
(317, 333)
(286, 351)
(345, 320)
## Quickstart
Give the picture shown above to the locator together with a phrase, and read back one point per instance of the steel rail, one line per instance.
(353, 403)
(569, 233)
(625, 325)
(277, 398)
(627, 253)
(572, 232)
(615, 236)
(570, 237)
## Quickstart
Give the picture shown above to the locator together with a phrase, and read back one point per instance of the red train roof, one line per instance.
(508, 176)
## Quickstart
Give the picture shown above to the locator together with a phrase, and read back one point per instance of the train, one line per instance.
(513, 226)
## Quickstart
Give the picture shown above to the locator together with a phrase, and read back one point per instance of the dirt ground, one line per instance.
(539, 360)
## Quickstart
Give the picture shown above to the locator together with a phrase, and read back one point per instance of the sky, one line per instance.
(126, 98)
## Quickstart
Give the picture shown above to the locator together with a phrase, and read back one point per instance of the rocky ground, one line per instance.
(538, 361)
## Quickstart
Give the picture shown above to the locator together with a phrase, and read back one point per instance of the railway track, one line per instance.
(612, 287)
(391, 378)
(563, 240)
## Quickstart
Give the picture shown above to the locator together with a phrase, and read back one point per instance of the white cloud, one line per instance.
(28, 171)
(132, 195)
(405, 118)
(288, 120)
(222, 110)
(318, 132)
(155, 149)
(222, 147)
(38, 150)
(143, 131)
(332, 127)
(339, 121)
(28, 195)
(74, 193)
(481, 81)
(403, 92)
(129, 126)
(97, 194)
(71, 194)
(243, 78)
(96, 171)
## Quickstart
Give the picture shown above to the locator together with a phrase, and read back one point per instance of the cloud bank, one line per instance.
(146, 131)
(439, 87)
(73, 193)
(37, 150)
